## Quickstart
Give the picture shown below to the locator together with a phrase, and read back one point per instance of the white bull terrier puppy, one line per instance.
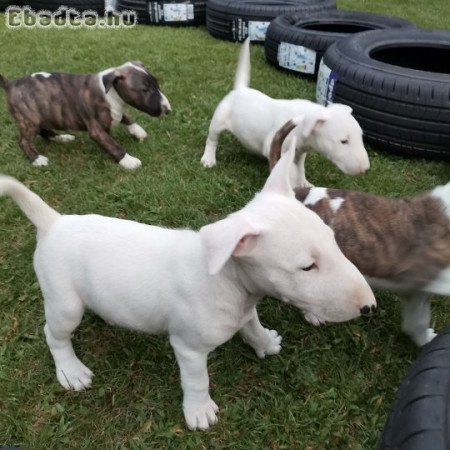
(253, 118)
(200, 288)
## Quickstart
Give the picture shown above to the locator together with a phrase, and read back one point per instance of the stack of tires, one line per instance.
(166, 12)
(235, 20)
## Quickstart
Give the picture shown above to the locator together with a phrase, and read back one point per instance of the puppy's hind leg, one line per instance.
(264, 341)
(416, 317)
(28, 133)
(200, 410)
(62, 317)
(219, 123)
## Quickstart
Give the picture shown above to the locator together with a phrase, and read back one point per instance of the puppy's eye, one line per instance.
(145, 90)
(344, 141)
(308, 268)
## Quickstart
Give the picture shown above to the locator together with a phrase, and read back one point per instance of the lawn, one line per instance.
(330, 387)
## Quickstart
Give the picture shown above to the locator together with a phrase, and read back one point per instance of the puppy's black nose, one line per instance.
(365, 310)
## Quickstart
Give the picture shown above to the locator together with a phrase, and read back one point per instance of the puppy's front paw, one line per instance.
(208, 161)
(130, 162)
(40, 161)
(272, 344)
(200, 417)
(137, 131)
(74, 375)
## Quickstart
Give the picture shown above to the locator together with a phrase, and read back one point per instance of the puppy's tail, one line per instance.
(279, 137)
(39, 213)
(4, 83)
(242, 77)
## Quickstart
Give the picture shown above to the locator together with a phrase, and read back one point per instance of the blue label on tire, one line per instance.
(326, 85)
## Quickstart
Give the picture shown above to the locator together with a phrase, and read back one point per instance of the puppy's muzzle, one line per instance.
(165, 105)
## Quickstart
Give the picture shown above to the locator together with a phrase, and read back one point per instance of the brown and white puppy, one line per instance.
(44, 102)
(398, 244)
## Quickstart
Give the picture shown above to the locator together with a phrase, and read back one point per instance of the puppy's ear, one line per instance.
(314, 121)
(110, 78)
(138, 63)
(232, 236)
(279, 179)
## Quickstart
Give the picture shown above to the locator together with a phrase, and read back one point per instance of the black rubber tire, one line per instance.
(152, 12)
(79, 5)
(315, 33)
(5, 3)
(230, 19)
(402, 98)
(419, 417)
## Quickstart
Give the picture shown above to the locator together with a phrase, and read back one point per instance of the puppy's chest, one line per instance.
(116, 106)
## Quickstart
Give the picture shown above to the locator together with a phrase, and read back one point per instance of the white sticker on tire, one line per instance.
(178, 12)
(296, 57)
(326, 84)
(257, 30)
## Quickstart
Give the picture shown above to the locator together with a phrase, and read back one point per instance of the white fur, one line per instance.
(443, 194)
(130, 162)
(336, 203)
(165, 105)
(316, 194)
(254, 118)
(441, 285)
(40, 161)
(137, 131)
(200, 288)
(42, 74)
(116, 104)
(63, 138)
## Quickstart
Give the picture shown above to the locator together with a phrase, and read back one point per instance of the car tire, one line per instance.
(297, 43)
(5, 3)
(166, 12)
(235, 20)
(419, 417)
(398, 84)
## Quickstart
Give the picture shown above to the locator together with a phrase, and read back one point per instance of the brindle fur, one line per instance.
(405, 241)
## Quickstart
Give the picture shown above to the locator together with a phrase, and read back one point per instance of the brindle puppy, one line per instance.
(44, 102)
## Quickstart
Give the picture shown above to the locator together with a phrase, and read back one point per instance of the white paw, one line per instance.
(130, 162)
(40, 161)
(63, 138)
(208, 161)
(137, 131)
(74, 375)
(424, 338)
(272, 346)
(201, 417)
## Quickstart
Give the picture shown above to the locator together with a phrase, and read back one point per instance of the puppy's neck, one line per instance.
(116, 105)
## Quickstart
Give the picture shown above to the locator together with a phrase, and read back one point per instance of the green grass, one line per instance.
(330, 388)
